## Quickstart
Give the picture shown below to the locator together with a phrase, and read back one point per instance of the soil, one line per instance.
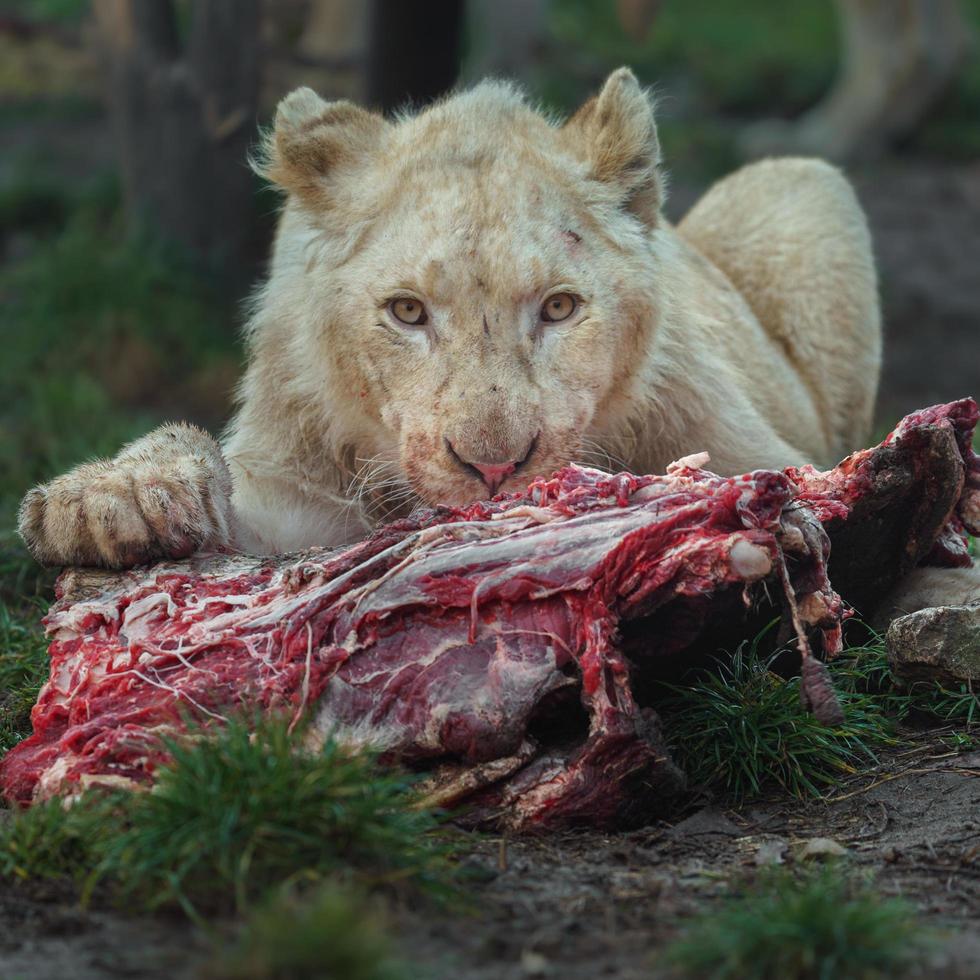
(45, 936)
(591, 905)
(586, 905)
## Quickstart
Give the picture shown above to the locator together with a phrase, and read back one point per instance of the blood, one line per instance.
(446, 639)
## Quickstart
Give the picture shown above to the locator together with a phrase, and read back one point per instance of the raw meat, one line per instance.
(480, 645)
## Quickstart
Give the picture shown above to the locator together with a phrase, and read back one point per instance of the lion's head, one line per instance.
(468, 289)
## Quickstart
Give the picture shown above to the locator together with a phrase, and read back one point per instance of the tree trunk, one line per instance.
(184, 115)
(414, 51)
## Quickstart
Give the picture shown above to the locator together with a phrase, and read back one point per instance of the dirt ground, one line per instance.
(590, 905)
(587, 905)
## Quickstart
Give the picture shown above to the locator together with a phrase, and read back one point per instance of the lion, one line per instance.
(472, 296)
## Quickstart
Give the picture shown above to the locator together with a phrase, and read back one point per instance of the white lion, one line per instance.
(465, 298)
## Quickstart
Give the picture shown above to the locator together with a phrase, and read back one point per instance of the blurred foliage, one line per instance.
(824, 923)
(738, 56)
(711, 65)
(63, 11)
(42, 51)
(337, 932)
(715, 66)
(43, 68)
(103, 337)
(307, 846)
(240, 811)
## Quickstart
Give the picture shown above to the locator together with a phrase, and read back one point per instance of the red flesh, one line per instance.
(439, 638)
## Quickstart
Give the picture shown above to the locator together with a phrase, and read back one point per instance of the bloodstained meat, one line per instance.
(480, 645)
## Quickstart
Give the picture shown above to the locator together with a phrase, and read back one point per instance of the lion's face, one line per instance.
(489, 323)
(479, 311)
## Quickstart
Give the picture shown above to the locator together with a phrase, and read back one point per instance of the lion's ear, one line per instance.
(313, 140)
(615, 134)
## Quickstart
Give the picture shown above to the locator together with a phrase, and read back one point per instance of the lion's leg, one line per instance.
(926, 586)
(277, 516)
(793, 239)
(166, 495)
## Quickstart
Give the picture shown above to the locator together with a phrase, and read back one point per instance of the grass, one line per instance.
(809, 925)
(335, 932)
(864, 669)
(959, 705)
(743, 729)
(23, 669)
(235, 816)
(243, 812)
(50, 842)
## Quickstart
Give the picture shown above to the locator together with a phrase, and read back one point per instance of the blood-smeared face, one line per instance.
(484, 281)
(494, 338)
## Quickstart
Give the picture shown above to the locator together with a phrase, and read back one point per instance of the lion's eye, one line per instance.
(409, 311)
(558, 307)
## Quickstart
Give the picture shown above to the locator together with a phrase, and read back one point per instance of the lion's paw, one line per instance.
(166, 495)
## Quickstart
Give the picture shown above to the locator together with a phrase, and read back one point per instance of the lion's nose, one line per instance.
(492, 473)
(495, 473)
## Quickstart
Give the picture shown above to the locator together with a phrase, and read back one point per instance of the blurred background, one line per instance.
(131, 228)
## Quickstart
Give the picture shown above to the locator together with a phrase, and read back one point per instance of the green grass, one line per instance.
(242, 812)
(742, 728)
(237, 814)
(959, 705)
(337, 932)
(813, 925)
(23, 669)
(50, 842)
(865, 670)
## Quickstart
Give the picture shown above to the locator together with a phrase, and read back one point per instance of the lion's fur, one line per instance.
(750, 330)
